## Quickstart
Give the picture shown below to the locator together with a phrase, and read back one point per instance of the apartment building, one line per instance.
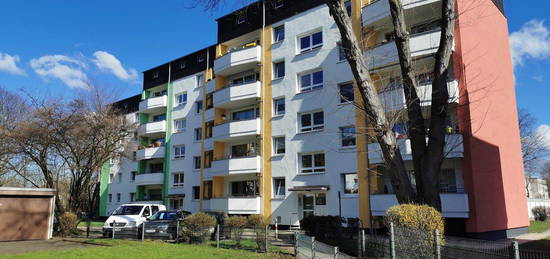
(263, 122)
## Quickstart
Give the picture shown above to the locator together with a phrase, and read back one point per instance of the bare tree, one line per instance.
(532, 144)
(11, 112)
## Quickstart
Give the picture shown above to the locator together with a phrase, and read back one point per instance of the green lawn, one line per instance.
(543, 244)
(153, 249)
(93, 224)
(539, 226)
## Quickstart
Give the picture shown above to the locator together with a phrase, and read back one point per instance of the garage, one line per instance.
(26, 213)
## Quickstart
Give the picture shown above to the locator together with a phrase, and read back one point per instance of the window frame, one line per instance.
(311, 46)
(196, 162)
(276, 141)
(276, 30)
(343, 138)
(314, 169)
(276, 70)
(196, 190)
(343, 100)
(199, 81)
(277, 188)
(179, 148)
(341, 53)
(197, 134)
(276, 112)
(182, 122)
(312, 86)
(344, 184)
(180, 177)
(278, 4)
(118, 197)
(178, 99)
(312, 127)
(198, 107)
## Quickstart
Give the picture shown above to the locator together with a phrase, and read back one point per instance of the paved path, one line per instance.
(16, 247)
(532, 236)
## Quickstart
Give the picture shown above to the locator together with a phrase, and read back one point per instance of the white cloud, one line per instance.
(64, 68)
(532, 41)
(8, 63)
(543, 133)
(107, 62)
(539, 78)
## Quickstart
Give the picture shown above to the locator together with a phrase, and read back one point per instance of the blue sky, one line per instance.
(57, 47)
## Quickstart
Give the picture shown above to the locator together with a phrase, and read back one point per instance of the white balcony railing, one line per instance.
(152, 128)
(149, 178)
(394, 100)
(152, 103)
(233, 166)
(236, 129)
(238, 60)
(453, 205)
(150, 153)
(421, 44)
(238, 95)
(454, 148)
(379, 11)
(236, 205)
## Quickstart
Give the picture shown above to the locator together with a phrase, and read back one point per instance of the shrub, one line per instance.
(259, 223)
(237, 225)
(311, 224)
(197, 227)
(541, 213)
(68, 223)
(414, 227)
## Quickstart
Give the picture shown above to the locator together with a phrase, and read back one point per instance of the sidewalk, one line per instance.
(532, 236)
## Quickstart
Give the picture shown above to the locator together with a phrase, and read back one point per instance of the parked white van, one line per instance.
(128, 218)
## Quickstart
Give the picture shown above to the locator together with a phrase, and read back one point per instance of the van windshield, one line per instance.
(164, 215)
(128, 210)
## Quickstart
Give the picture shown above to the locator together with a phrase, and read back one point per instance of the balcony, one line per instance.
(454, 148)
(153, 104)
(421, 44)
(378, 12)
(236, 205)
(235, 130)
(394, 100)
(152, 128)
(150, 178)
(150, 153)
(237, 95)
(235, 166)
(237, 61)
(453, 205)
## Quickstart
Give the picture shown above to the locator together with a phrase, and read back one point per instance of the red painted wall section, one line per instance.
(493, 166)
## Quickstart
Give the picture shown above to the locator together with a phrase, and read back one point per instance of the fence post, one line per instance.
(143, 231)
(516, 250)
(114, 227)
(295, 244)
(218, 236)
(359, 252)
(363, 250)
(276, 230)
(335, 252)
(312, 247)
(266, 238)
(437, 245)
(392, 241)
(177, 231)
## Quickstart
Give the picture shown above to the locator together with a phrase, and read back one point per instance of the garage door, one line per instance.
(24, 218)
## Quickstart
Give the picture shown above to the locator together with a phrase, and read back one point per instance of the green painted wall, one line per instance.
(104, 188)
(167, 151)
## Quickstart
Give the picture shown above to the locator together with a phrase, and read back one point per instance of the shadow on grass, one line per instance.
(86, 242)
(542, 245)
(244, 245)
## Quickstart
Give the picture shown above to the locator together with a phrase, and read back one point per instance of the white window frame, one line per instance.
(119, 177)
(344, 184)
(311, 86)
(275, 142)
(180, 176)
(313, 127)
(276, 70)
(341, 98)
(277, 188)
(314, 169)
(178, 99)
(199, 81)
(276, 113)
(179, 149)
(118, 197)
(340, 129)
(182, 123)
(279, 4)
(340, 51)
(132, 196)
(195, 163)
(137, 117)
(110, 197)
(311, 46)
(275, 40)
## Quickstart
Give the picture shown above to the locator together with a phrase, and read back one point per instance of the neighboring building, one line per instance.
(261, 122)
(537, 188)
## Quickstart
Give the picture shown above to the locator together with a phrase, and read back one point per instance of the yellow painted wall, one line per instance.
(266, 107)
(218, 186)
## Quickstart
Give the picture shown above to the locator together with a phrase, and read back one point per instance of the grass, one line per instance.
(539, 226)
(543, 244)
(93, 224)
(154, 249)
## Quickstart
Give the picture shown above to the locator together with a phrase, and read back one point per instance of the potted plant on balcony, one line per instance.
(157, 144)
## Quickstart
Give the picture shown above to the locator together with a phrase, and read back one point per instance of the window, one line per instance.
(210, 101)
(312, 41)
(137, 117)
(244, 78)
(198, 134)
(134, 173)
(198, 107)
(320, 199)
(159, 117)
(110, 197)
(346, 92)
(278, 33)
(347, 135)
(183, 65)
(279, 188)
(176, 204)
(243, 150)
(279, 4)
(248, 114)
(447, 181)
(240, 19)
(208, 190)
(132, 196)
(160, 93)
(180, 125)
(341, 52)
(311, 121)
(178, 180)
(348, 7)
(351, 183)
(155, 75)
(245, 188)
(111, 178)
(312, 163)
(278, 145)
(179, 151)
(208, 158)
(197, 162)
(311, 81)
(278, 70)
(208, 127)
(119, 177)
(196, 192)
(279, 106)
(200, 58)
(200, 81)
(118, 197)
(181, 99)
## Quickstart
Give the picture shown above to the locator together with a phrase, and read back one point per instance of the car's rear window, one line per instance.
(164, 215)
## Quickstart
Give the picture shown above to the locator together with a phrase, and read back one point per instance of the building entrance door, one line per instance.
(308, 205)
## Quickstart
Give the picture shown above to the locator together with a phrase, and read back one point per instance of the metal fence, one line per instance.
(308, 247)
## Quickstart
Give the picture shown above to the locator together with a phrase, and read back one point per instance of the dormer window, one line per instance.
(279, 4)
(183, 65)
(155, 75)
(200, 58)
(240, 19)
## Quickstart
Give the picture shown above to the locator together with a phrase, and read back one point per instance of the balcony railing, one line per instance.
(236, 205)
(235, 165)
(152, 128)
(150, 153)
(453, 205)
(236, 129)
(153, 103)
(237, 60)
(379, 11)
(233, 96)
(149, 178)
(394, 99)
